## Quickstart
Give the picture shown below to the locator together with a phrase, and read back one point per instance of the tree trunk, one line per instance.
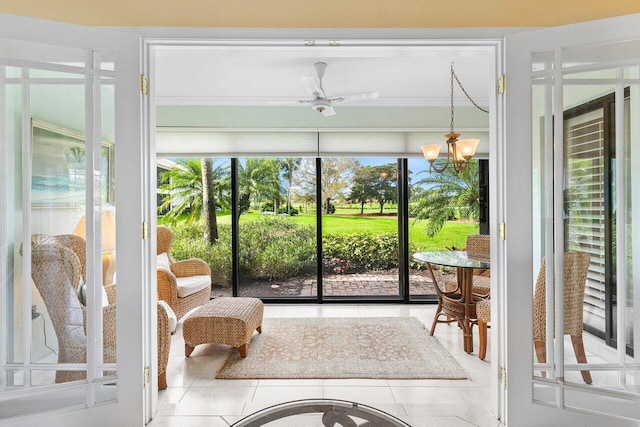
(381, 207)
(327, 207)
(209, 203)
(361, 208)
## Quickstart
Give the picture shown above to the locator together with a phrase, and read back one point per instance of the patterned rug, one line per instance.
(347, 347)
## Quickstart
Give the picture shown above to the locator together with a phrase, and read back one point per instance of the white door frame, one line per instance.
(130, 347)
(405, 39)
(518, 197)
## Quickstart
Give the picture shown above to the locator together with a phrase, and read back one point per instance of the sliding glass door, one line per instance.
(360, 246)
(590, 214)
(276, 227)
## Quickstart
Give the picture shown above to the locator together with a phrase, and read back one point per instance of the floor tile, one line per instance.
(274, 394)
(188, 421)
(211, 401)
(291, 382)
(356, 382)
(366, 395)
(419, 395)
(195, 398)
(448, 421)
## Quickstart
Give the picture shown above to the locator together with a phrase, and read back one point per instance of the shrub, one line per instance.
(266, 207)
(189, 243)
(359, 252)
(276, 248)
(279, 248)
(292, 211)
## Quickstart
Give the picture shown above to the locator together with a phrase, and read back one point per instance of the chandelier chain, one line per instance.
(451, 94)
(455, 76)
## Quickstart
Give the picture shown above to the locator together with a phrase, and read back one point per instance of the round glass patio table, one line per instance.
(459, 304)
(321, 413)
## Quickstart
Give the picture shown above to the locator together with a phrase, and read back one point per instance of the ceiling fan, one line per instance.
(323, 103)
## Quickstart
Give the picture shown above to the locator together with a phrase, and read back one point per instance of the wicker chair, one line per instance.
(164, 346)
(483, 311)
(58, 263)
(56, 272)
(79, 246)
(478, 246)
(169, 282)
(574, 275)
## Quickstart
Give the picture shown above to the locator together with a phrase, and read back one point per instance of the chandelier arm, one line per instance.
(458, 165)
(446, 165)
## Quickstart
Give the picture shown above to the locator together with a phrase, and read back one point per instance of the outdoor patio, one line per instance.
(364, 284)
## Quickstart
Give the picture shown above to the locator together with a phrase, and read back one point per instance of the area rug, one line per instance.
(372, 347)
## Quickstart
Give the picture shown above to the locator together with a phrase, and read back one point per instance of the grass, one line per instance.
(453, 233)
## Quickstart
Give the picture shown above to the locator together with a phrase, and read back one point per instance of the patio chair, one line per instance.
(574, 275)
(478, 246)
(185, 284)
(483, 312)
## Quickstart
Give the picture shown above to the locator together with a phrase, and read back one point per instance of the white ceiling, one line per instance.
(250, 76)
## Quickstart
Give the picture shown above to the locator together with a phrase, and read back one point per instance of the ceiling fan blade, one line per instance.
(312, 86)
(328, 111)
(358, 97)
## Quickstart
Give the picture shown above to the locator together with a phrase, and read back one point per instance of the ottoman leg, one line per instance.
(188, 350)
(243, 349)
(259, 329)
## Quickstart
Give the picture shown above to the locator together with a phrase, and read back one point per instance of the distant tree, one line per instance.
(337, 174)
(259, 180)
(374, 183)
(446, 194)
(289, 166)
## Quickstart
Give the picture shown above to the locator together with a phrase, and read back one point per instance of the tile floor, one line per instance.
(194, 398)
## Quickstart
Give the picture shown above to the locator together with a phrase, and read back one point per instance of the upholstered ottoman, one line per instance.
(223, 320)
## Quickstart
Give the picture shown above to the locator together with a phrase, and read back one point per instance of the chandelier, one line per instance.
(459, 152)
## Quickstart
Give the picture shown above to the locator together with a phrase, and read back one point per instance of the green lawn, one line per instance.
(453, 233)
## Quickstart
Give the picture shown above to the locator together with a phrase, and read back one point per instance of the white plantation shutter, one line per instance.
(585, 205)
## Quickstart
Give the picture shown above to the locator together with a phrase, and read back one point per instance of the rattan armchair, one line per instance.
(190, 270)
(56, 272)
(164, 346)
(79, 246)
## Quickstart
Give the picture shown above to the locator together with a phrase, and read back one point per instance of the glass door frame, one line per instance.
(521, 407)
(403, 247)
(126, 50)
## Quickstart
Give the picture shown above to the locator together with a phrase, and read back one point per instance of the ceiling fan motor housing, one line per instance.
(320, 105)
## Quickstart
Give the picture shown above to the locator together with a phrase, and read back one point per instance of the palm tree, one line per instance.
(258, 180)
(446, 194)
(185, 190)
(289, 166)
(209, 202)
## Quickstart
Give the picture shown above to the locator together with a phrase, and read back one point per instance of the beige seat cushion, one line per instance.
(192, 284)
